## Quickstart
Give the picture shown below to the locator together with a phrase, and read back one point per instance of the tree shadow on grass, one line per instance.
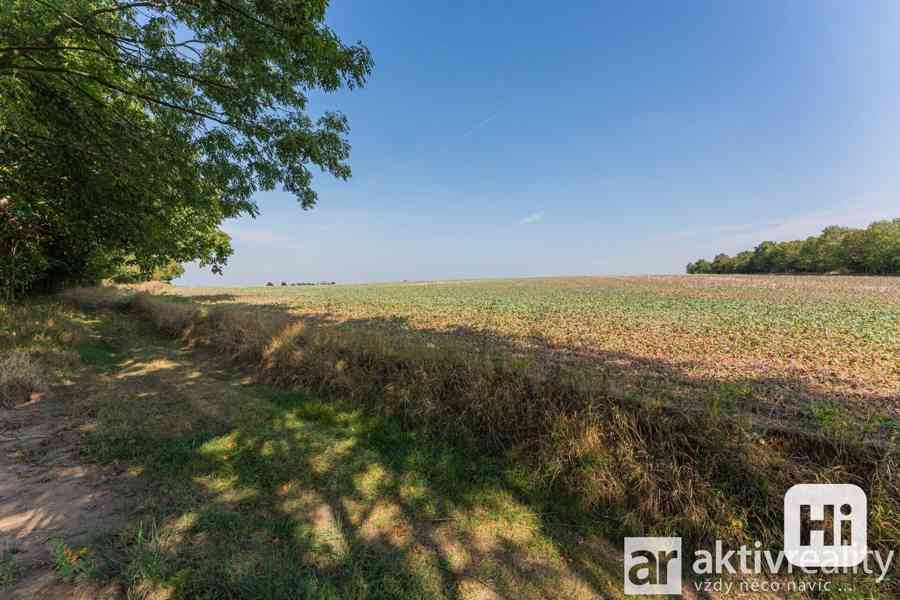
(259, 493)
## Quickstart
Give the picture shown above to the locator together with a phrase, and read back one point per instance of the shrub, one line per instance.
(20, 377)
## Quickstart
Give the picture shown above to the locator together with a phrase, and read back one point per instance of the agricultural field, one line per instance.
(774, 346)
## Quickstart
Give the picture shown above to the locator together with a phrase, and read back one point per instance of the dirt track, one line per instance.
(46, 492)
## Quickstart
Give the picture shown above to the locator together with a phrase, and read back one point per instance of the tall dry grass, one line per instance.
(645, 467)
(20, 377)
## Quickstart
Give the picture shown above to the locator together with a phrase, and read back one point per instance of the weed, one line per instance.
(72, 563)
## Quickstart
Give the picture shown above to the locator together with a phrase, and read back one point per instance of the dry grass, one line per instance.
(648, 466)
(20, 378)
(99, 297)
(36, 343)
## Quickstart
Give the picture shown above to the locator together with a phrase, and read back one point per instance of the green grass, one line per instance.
(9, 570)
(250, 491)
(98, 353)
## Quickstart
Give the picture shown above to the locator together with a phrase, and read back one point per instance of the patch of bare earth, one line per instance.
(46, 492)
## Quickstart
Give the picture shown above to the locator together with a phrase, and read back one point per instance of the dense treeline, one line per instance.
(874, 250)
(130, 130)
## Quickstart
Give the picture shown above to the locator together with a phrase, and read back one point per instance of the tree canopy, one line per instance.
(130, 130)
(874, 250)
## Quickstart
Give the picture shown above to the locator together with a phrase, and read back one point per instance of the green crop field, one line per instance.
(771, 345)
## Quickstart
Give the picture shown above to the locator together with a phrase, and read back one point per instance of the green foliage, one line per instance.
(129, 272)
(9, 570)
(874, 250)
(71, 563)
(130, 131)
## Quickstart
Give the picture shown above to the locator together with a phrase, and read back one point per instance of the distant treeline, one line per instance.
(874, 250)
(270, 284)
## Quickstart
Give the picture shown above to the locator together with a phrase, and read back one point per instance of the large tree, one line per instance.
(133, 129)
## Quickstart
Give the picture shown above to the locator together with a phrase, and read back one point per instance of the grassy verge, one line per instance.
(645, 467)
(271, 494)
(251, 491)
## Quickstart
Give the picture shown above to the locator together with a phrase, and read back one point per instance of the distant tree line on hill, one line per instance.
(874, 250)
(285, 283)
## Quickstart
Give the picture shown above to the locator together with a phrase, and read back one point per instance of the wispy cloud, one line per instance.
(536, 217)
(455, 138)
(480, 124)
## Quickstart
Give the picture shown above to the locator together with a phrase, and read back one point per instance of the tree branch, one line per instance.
(132, 93)
(111, 58)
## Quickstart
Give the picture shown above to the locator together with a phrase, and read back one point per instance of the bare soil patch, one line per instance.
(47, 491)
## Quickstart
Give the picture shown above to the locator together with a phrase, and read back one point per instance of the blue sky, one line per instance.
(519, 139)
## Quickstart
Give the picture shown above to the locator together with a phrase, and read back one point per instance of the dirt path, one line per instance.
(48, 492)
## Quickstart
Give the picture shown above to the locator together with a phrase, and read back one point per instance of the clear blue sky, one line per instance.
(532, 138)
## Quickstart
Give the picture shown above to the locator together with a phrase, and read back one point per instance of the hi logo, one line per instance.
(825, 525)
(652, 565)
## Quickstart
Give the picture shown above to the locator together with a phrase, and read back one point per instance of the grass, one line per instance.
(706, 470)
(296, 498)
(9, 570)
(20, 378)
(415, 441)
(37, 342)
(251, 491)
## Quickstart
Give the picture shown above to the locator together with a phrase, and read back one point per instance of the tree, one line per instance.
(763, 258)
(874, 250)
(877, 248)
(133, 129)
(828, 251)
(722, 263)
(699, 267)
(129, 272)
(742, 262)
